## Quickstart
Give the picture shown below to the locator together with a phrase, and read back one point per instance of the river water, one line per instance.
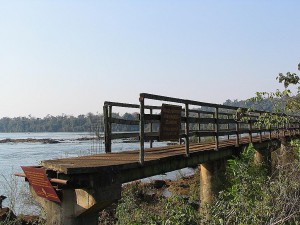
(14, 155)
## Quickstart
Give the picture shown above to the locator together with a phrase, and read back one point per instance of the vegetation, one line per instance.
(253, 197)
(143, 205)
(63, 123)
(19, 200)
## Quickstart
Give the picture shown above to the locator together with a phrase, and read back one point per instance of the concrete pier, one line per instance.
(79, 206)
(286, 153)
(212, 175)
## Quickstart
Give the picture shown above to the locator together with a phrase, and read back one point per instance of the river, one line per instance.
(14, 155)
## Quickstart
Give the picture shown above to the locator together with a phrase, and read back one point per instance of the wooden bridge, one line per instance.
(207, 135)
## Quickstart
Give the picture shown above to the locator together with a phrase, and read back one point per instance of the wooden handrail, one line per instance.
(217, 117)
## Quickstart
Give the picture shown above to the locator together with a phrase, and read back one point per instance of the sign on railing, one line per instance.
(170, 123)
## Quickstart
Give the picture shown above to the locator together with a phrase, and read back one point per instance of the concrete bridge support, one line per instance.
(263, 157)
(286, 153)
(212, 175)
(79, 206)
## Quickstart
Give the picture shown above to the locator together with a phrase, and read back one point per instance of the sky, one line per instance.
(68, 57)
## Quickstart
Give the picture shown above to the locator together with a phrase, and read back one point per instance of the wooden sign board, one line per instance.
(170, 123)
(40, 183)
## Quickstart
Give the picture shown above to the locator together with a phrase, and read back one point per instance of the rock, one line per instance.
(6, 215)
(194, 204)
(29, 220)
(185, 197)
(2, 197)
(184, 185)
(159, 184)
(50, 141)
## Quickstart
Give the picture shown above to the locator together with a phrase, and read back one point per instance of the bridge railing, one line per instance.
(109, 120)
(208, 120)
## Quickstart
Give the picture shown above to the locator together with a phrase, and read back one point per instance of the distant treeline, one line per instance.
(86, 123)
(64, 123)
(264, 105)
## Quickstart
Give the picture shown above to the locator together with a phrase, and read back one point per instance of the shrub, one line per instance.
(253, 197)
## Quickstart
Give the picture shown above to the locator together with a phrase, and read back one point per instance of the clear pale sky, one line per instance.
(61, 56)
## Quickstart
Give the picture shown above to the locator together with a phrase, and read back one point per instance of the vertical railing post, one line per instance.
(260, 129)
(237, 130)
(142, 128)
(187, 131)
(270, 131)
(277, 130)
(293, 126)
(280, 129)
(250, 130)
(105, 118)
(107, 128)
(199, 128)
(151, 129)
(217, 128)
(228, 136)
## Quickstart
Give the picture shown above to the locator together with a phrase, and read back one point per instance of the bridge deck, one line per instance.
(130, 159)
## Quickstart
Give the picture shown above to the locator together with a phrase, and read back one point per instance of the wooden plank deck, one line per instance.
(125, 160)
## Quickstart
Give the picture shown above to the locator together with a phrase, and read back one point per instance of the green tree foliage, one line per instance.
(49, 123)
(138, 207)
(286, 102)
(63, 123)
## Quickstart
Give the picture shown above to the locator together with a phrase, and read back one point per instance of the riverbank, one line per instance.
(148, 199)
(155, 202)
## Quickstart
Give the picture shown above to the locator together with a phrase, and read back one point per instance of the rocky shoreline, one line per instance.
(43, 140)
(8, 217)
(147, 192)
(30, 140)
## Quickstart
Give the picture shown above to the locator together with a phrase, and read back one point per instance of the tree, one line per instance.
(285, 103)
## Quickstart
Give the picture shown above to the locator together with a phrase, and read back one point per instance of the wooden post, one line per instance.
(260, 132)
(277, 130)
(217, 128)
(142, 129)
(228, 136)
(199, 128)
(293, 126)
(107, 131)
(151, 129)
(187, 131)
(237, 129)
(250, 130)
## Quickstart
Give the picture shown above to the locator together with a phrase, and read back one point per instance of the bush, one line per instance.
(253, 197)
(137, 206)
